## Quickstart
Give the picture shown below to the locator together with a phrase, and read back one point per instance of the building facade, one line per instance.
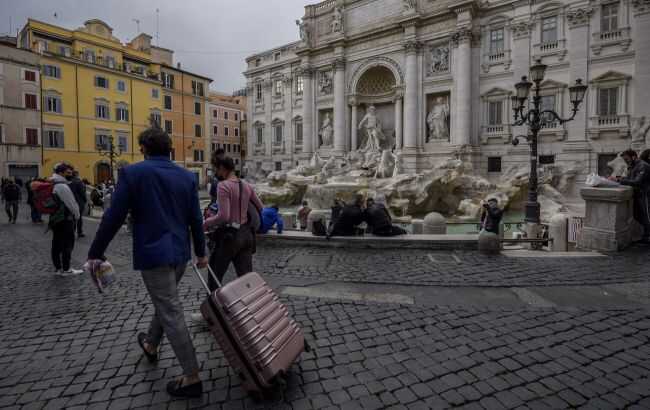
(226, 115)
(20, 111)
(438, 77)
(94, 90)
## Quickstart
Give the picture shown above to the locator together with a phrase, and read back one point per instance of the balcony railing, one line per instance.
(494, 129)
(549, 46)
(497, 56)
(108, 63)
(609, 120)
(611, 35)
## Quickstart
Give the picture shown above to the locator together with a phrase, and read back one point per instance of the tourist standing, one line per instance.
(62, 222)
(303, 215)
(639, 178)
(79, 190)
(35, 214)
(12, 196)
(234, 237)
(218, 155)
(163, 199)
(491, 216)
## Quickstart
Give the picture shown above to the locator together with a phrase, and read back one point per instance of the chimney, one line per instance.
(178, 65)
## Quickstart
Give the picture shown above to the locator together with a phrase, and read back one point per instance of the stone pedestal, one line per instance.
(489, 243)
(609, 221)
(558, 229)
(434, 224)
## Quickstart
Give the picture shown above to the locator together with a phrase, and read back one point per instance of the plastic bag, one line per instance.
(103, 276)
(594, 180)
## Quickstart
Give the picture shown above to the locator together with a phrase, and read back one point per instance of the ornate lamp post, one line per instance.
(535, 118)
(111, 152)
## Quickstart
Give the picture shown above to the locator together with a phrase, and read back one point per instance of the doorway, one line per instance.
(102, 173)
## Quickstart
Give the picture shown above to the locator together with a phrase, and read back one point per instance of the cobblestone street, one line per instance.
(62, 345)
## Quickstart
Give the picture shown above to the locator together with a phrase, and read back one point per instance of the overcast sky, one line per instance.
(209, 37)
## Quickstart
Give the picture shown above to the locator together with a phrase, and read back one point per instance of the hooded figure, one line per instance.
(639, 178)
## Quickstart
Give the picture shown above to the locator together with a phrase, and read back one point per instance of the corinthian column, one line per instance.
(411, 98)
(339, 107)
(399, 139)
(307, 111)
(354, 121)
(463, 79)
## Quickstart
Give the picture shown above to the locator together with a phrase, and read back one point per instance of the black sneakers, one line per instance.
(176, 389)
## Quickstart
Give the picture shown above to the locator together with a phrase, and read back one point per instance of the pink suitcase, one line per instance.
(252, 326)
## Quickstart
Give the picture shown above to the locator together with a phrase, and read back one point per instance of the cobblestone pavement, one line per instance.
(462, 268)
(64, 346)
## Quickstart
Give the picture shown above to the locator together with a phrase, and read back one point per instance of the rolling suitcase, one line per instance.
(253, 328)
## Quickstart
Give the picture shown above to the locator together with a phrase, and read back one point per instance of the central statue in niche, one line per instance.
(374, 135)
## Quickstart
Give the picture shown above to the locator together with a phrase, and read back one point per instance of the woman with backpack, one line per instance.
(232, 230)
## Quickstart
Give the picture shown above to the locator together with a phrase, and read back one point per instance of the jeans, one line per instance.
(11, 208)
(62, 244)
(237, 249)
(168, 319)
(80, 229)
(36, 216)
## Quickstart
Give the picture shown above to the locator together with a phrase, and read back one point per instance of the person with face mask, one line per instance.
(163, 199)
(62, 222)
(639, 178)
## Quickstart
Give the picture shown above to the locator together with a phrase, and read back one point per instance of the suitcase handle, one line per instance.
(203, 282)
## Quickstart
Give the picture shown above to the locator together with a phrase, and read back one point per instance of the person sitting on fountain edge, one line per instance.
(350, 218)
(491, 216)
(270, 217)
(379, 220)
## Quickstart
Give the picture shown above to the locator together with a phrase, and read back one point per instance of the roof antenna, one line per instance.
(137, 24)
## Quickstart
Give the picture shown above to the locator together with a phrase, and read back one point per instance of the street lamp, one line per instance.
(111, 152)
(535, 118)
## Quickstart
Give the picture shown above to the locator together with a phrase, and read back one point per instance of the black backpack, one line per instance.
(318, 228)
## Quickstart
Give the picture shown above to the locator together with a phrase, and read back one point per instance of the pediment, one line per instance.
(611, 76)
(496, 91)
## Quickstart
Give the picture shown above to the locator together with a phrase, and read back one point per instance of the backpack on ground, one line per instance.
(44, 199)
(318, 228)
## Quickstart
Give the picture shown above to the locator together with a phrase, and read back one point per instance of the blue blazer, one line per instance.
(164, 202)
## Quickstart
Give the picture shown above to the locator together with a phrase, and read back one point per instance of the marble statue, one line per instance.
(326, 131)
(398, 169)
(438, 120)
(329, 168)
(303, 29)
(375, 136)
(410, 6)
(439, 60)
(640, 129)
(325, 83)
(386, 165)
(316, 162)
(337, 22)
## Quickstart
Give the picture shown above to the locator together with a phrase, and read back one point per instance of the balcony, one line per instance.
(618, 124)
(494, 58)
(278, 148)
(500, 132)
(618, 39)
(297, 147)
(259, 149)
(549, 48)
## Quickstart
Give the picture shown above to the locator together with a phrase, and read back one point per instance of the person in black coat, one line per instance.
(379, 221)
(639, 178)
(491, 216)
(350, 217)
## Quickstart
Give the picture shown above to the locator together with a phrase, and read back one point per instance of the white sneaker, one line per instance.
(72, 272)
(197, 317)
(58, 272)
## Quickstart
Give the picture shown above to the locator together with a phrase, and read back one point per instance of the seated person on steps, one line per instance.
(270, 217)
(350, 218)
(379, 220)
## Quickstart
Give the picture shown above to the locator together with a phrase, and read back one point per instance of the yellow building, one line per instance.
(94, 89)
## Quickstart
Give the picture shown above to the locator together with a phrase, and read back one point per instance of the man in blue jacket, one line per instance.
(271, 216)
(164, 203)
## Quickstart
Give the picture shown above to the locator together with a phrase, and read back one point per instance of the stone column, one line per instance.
(339, 107)
(268, 118)
(411, 98)
(307, 111)
(354, 123)
(578, 47)
(288, 137)
(641, 14)
(462, 40)
(399, 138)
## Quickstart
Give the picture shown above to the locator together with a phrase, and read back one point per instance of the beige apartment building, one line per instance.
(20, 111)
(226, 115)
